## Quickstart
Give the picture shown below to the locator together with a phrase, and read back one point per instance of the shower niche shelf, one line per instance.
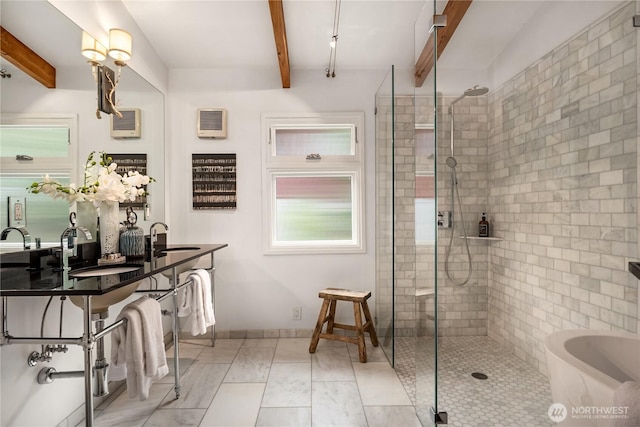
(491, 239)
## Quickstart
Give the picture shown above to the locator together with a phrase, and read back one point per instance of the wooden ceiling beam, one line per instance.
(280, 36)
(454, 10)
(19, 54)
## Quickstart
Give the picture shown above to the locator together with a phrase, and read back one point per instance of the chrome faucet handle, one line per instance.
(64, 244)
(153, 234)
(26, 237)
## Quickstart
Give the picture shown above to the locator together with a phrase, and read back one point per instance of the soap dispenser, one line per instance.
(483, 226)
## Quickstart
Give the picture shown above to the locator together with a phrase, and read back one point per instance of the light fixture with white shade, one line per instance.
(120, 43)
(91, 49)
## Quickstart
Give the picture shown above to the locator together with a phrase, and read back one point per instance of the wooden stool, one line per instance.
(359, 299)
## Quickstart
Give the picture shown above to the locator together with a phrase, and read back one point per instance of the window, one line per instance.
(425, 185)
(30, 147)
(313, 185)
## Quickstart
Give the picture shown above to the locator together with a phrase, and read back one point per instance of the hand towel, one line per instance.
(139, 346)
(196, 305)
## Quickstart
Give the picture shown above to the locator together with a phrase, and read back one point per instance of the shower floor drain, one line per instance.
(479, 375)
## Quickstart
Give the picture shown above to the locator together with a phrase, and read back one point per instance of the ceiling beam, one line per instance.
(19, 54)
(454, 10)
(280, 36)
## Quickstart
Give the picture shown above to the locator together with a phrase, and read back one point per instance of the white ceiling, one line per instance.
(216, 33)
(373, 34)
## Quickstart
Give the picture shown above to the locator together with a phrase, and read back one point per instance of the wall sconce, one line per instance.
(120, 43)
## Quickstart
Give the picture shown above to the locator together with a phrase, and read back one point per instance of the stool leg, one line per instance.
(371, 329)
(362, 349)
(319, 324)
(332, 316)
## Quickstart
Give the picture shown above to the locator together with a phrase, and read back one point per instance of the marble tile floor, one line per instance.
(513, 395)
(270, 382)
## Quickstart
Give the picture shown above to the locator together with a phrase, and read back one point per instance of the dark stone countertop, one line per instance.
(20, 275)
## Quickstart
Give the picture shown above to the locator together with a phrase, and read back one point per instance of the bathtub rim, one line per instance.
(554, 345)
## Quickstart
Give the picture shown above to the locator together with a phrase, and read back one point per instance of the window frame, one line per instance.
(329, 165)
(48, 164)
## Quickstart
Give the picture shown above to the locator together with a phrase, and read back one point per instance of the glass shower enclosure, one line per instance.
(406, 222)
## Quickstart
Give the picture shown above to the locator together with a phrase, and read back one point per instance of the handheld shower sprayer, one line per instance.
(452, 163)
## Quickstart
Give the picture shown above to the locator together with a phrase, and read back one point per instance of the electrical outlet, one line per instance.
(297, 313)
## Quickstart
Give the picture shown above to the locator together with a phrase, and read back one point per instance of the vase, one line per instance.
(109, 227)
(87, 215)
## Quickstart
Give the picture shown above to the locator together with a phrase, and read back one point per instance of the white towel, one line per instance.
(195, 303)
(138, 346)
(628, 396)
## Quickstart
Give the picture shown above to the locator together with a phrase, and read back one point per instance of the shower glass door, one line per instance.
(426, 133)
(385, 249)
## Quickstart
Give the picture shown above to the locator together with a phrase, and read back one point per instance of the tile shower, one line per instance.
(551, 156)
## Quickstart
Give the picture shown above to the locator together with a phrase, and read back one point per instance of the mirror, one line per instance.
(56, 39)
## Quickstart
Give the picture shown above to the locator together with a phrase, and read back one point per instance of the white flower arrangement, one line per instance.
(101, 183)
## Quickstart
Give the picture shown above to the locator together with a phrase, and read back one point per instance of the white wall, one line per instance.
(255, 291)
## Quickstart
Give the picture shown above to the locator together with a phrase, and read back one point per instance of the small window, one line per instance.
(313, 179)
(325, 140)
(37, 143)
(46, 144)
(425, 202)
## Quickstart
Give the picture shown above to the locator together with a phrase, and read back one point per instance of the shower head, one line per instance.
(476, 91)
(473, 91)
(451, 162)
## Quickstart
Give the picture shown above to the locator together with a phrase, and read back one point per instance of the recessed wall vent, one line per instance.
(129, 126)
(212, 123)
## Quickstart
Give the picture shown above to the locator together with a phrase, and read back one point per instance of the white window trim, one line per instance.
(329, 166)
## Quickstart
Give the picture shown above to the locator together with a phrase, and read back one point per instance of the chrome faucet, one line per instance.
(154, 235)
(64, 244)
(26, 238)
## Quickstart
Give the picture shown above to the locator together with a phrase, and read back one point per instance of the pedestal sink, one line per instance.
(169, 256)
(101, 303)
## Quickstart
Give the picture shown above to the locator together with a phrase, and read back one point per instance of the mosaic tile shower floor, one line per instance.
(514, 395)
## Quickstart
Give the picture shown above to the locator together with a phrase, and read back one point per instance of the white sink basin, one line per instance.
(106, 271)
(172, 255)
(101, 303)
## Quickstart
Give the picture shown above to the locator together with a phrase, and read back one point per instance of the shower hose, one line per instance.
(454, 193)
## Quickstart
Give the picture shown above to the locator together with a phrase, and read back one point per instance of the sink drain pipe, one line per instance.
(100, 368)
